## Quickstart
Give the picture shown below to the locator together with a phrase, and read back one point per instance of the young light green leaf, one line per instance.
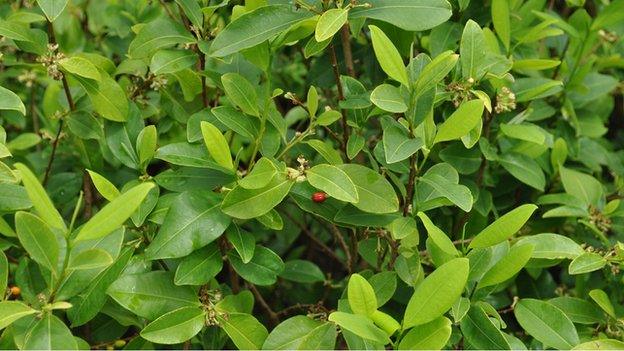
(388, 56)
(10, 311)
(481, 332)
(524, 168)
(602, 299)
(472, 50)
(330, 23)
(261, 174)
(176, 326)
(241, 92)
(216, 144)
(38, 240)
(107, 189)
(80, 66)
(334, 181)
(388, 98)
(360, 325)
(52, 8)
(297, 332)
(430, 336)
(438, 236)
(107, 97)
(504, 227)
(501, 20)
(582, 186)
(90, 259)
(436, 294)
(461, 122)
(587, 262)
(38, 196)
(114, 214)
(546, 323)
(10, 101)
(250, 203)
(508, 266)
(50, 333)
(361, 296)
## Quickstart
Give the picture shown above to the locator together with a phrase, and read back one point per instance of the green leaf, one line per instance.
(52, 8)
(10, 101)
(4, 273)
(504, 227)
(193, 221)
(508, 266)
(176, 326)
(385, 322)
(546, 323)
(302, 271)
(115, 213)
(430, 336)
(398, 145)
(330, 23)
(237, 121)
(80, 66)
(199, 267)
(263, 268)
(552, 246)
(38, 196)
(578, 310)
(388, 56)
(241, 93)
(107, 97)
(49, 333)
(587, 262)
(107, 189)
(461, 122)
(10, 311)
(582, 186)
(193, 11)
(13, 198)
(334, 181)
(388, 98)
(300, 333)
(150, 295)
(375, 193)
(480, 331)
(243, 241)
(600, 344)
(501, 20)
(244, 330)
(472, 50)
(250, 203)
(360, 325)
(602, 299)
(410, 15)
(38, 240)
(524, 168)
(216, 144)
(146, 144)
(436, 294)
(261, 174)
(459, 195)
(438, 236)
(255, 27)
(435, 71)
(361, 296)
(90, 259)
(156, 35)
(171, 61)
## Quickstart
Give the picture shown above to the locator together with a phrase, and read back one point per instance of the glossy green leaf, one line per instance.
(410, 15)
(502, 23)
(158, 34)
(375, 193)
(243, 241)
(240, 91)
(263, 268)
(481, 332)
(81, 67)
(38, 240)
(587, 262)
(176, 326)
(52, 8)
(388, 98)
(107, 189)
(50, 333)
(334, 181)
(39, 198)
(472, 50)
(361, 296)
(438, 236)
(582, 186)
(249, 203)
(504, 227)
(388, 56)
(10, 311)
(244, 330)
(464, 119)
(10, 101)
(546, 323)
(90, 259)
(301, 332)
(360, 325)
(602, 299)
(508, 266)
(171, 61)
(430, 336)
(217, 145)
(114, 214)
(330, 23)
(436, 294)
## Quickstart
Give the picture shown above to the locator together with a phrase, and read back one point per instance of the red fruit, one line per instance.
(319, 197)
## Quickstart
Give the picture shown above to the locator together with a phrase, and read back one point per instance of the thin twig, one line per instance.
(338, 236)
(341, 97)
(345, 36)
(273, 317)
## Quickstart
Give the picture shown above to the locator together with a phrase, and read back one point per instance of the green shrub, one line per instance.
(306, 174)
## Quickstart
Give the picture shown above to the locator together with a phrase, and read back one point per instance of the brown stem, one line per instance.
(224, 245)
(202, 66)
(409, 195)
(338, 236)
(273, 317)
(33, 112)
(88, 195)
(341, 97)
(345, 36)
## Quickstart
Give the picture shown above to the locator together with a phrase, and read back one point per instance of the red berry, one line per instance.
(319, 196)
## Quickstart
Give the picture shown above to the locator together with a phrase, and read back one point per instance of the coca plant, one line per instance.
(305, 174)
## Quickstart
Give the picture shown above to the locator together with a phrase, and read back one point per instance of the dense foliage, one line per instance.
(311, 174)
